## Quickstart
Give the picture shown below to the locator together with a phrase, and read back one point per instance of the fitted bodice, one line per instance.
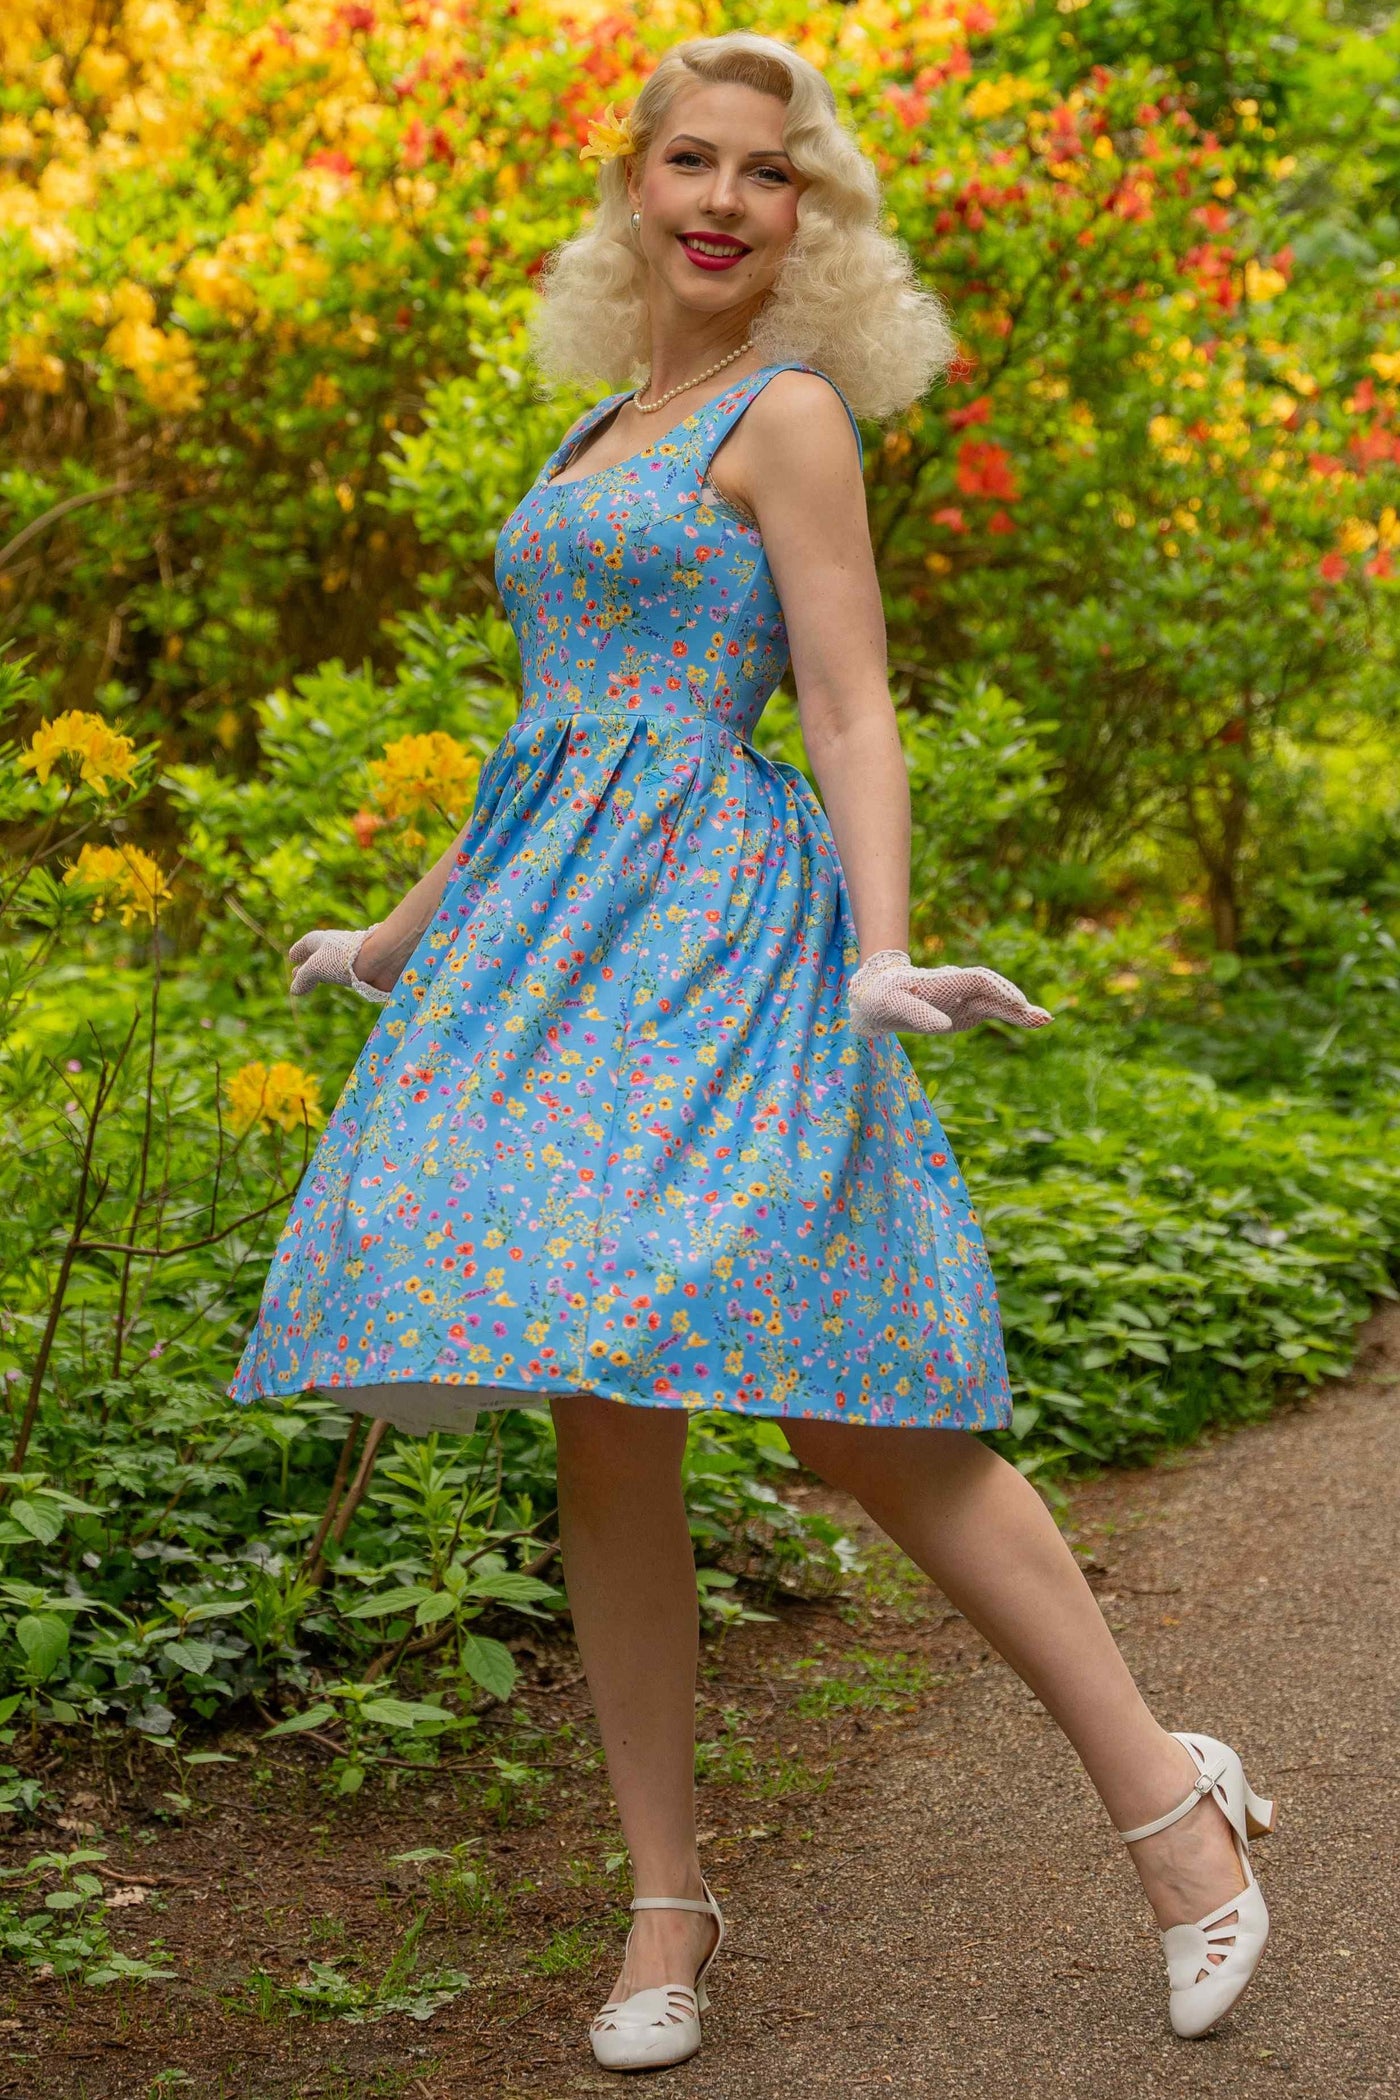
(639, 588)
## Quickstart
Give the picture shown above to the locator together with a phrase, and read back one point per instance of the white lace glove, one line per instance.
(327, 956)
(888, 993)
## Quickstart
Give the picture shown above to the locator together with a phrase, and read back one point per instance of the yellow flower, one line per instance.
(425, 775)
(33, 366)
(214, 282)
(101, 70)
(132, 302)
(1355, 536)
(1387, 363)
(163, 364)
(279, 1096)
(99, 751)
(610, 137)
(120, 875)
(1261, 284)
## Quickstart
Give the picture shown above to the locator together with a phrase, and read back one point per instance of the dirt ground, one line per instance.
(921, 1890)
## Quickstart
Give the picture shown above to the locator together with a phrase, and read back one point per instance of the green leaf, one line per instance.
(489, 1663)
(40, 1519)
(386, 1602)
(433, 1609)
(44, 1638)
(314, 1717)
(402, 1713)
(196, 1656)
(506, 1586)
(1153, 1351)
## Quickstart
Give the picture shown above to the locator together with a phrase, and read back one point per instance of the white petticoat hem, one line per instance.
(422, 1407)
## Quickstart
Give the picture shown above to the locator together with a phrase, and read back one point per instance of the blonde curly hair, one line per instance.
(846, 298)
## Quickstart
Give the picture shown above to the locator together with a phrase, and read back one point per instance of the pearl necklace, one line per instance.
(652, 406)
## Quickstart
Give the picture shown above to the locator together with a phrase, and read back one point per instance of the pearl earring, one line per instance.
(636, 222)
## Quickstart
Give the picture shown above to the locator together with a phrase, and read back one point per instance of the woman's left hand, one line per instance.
(889, 993)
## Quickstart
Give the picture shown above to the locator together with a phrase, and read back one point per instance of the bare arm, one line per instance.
(385, 951)
(802, 480)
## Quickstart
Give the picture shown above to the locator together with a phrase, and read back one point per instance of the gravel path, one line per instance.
(966, 1926)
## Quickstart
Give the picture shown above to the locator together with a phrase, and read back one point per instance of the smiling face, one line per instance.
(718, 198)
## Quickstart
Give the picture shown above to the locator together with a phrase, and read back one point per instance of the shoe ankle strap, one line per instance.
(672, 1903)
(1203, 1786)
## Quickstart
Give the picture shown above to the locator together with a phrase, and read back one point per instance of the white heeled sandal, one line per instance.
(661, 2025)
(1202, 1990)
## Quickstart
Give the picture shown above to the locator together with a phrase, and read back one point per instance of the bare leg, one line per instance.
(978, 1527)
(629, 1568)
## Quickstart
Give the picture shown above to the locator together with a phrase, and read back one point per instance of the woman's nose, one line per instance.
(722, 196)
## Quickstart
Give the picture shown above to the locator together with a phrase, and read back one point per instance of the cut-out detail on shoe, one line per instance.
(1222, 1938)
(680, 2005)
(1210, 1962)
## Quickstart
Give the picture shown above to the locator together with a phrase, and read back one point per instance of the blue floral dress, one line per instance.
(613, 1133)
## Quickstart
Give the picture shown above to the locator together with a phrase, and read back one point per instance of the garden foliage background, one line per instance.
(264, 401)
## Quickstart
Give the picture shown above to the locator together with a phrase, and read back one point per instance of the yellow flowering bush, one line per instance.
(123, 876)
(431, 774)
(429, 771)
(306, 408)
(81, 745)
(279, 1096)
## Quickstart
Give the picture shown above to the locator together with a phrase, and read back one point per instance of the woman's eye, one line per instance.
(677, 160)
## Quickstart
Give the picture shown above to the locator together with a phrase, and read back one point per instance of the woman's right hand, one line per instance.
(327, 956)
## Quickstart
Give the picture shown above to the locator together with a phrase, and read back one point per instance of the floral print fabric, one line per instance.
(612, 1132)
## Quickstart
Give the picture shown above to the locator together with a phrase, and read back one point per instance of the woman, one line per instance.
(634, 1135)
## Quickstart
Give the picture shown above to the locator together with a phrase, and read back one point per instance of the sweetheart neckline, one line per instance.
(553, 481)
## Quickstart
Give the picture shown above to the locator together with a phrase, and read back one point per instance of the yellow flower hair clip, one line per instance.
(610, 137)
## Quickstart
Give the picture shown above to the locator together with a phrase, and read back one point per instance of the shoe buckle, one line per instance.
(1204, 1783)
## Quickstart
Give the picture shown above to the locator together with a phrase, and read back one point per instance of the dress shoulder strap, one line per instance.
(576, 432)
(724, 411)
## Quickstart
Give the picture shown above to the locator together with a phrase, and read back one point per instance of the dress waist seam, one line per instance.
(561, 715)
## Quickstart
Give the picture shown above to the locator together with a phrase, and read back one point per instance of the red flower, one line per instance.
(976, 411)
(911, 109)
(985, 470)
(1369, 447)
(1332, 567)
